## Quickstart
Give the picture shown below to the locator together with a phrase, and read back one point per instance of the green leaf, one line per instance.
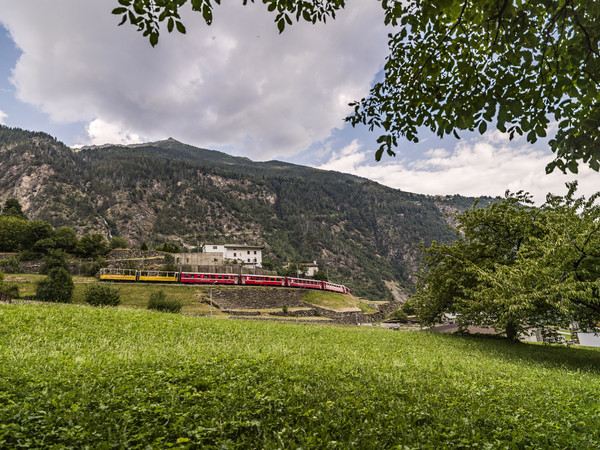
(119, 11)
(153, 39)
(573, 166)
(482, 127)
(170, 24)
(180, 27)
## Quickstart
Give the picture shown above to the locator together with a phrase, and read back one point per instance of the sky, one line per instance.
(240, 87)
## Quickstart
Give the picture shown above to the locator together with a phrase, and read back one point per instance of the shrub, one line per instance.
(91, 270)
(399, 315)
(160, 302)
(56, 287)
(118, 242)
(10, 265)
(102, 295)
(169, 247)
(10, 289)
(169, 267)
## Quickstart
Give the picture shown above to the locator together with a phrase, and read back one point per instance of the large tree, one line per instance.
(515, 265)
(461, 65)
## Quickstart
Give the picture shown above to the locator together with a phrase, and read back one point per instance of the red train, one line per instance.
(219, 278)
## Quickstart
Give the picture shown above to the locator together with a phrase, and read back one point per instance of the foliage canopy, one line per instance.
(515, 265)
(57, 287)
(461, 65)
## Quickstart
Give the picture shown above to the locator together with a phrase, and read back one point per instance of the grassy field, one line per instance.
(73, 376)
(193, 298)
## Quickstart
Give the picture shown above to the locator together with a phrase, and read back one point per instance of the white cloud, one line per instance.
(236, 83)
(484, 166)
(3, 117)
(101, 132)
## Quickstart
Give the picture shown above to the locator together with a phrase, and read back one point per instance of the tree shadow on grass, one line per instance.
(548, 356)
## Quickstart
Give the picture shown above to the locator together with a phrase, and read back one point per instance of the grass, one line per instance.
(193, 298)
(74, 376)
(332, 300)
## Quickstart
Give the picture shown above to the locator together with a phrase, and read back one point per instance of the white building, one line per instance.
(247, 254)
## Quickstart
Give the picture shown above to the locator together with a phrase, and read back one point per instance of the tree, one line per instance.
(38, 230)
(66, 239)
(12, 208)
(54, 258)
(92, 245)
(320, 275)
(12, 230)
(461, 65)
(57, 287)
(515, 265)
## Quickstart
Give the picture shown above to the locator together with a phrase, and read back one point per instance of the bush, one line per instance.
(118, 242)
(399, 315)
(91, 270)
(102, 295)
(10, 289)
(10, 265)
(160, 302)
(169, 247)
(57, 287)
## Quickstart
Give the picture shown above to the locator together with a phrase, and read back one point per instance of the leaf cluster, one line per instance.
(147, 15)
(516, 265)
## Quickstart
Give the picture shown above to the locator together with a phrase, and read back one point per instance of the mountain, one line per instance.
(363, 233)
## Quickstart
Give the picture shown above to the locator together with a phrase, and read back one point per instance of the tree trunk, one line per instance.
(511, 332)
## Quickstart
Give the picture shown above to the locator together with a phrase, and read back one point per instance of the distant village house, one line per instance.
(247, 254)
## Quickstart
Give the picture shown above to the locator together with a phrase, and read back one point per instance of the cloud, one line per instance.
(237, 83)
(475, 167)
(101, 132)
(3, 117)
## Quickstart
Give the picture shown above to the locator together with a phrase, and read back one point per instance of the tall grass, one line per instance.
(74, 376)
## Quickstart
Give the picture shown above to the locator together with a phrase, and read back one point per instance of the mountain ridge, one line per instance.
(364, 233)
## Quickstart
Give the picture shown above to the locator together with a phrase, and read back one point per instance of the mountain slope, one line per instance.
(363, 233)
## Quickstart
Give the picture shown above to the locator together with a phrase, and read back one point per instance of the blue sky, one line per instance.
(240, 87)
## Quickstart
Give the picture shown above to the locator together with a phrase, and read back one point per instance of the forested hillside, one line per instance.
(362, 232)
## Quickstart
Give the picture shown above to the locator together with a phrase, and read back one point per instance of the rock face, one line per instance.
(362, 233)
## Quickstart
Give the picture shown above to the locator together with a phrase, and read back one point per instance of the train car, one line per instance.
(304, 283)
(158, 276)
(262, 280)
(118, 274)
(209, 278)
(334, 287)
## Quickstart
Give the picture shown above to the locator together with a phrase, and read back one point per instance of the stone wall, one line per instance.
(258, 298)
(357, 317)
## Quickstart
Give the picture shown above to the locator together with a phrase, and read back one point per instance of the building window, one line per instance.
(255, 252)
(214, 247)
(248, 251)
(234, 255)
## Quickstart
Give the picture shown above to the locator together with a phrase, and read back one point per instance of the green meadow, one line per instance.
(73, 376)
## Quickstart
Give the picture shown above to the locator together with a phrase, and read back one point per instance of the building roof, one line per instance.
(253, 247)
